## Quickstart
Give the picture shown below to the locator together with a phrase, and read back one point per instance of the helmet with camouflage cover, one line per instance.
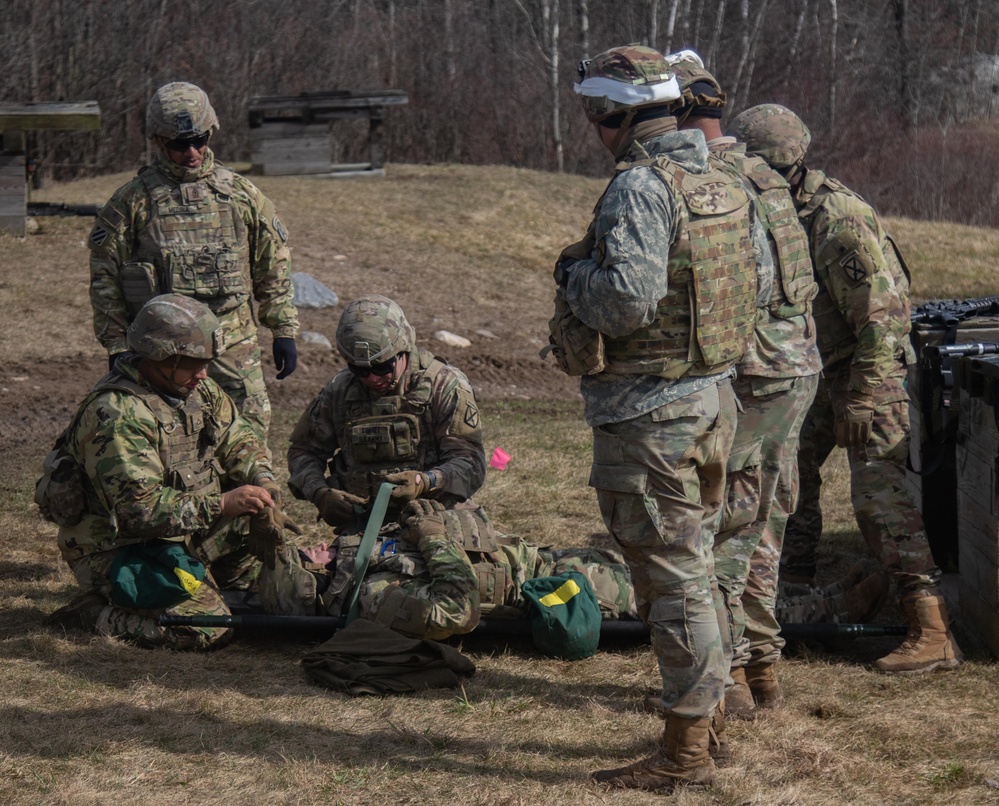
(180, 109)
(625, 79)
(175, 326)
(775, 133)
(373, 329)
(701, 91)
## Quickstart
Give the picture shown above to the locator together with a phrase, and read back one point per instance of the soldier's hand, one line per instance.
(410, 484)
(853, 426)
(285, 357)
(336, 507)
(266, 534)
(249, 499)
(425, 520)
(271, 485)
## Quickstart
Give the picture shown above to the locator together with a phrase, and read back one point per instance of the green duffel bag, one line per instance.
(565, 622)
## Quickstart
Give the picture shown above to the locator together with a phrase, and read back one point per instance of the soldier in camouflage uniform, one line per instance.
(775, 385)
(435, 573)
(862, 318)
(397, 414)
(668, 230)
(188, 225)
(151, 440)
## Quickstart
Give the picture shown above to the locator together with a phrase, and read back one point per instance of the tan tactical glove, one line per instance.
(853, 427)
(425, 519)
(411, 484)
(269, 484)
(336, 507)
(266, 535)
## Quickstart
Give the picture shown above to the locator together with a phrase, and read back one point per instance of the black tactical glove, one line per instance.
(266, 535)
(336, 507)
(285, 357)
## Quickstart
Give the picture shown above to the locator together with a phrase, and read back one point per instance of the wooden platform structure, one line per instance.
(16, 120)
(291, 135)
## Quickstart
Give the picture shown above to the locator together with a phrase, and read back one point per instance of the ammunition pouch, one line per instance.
(577, 347)
(139, 284)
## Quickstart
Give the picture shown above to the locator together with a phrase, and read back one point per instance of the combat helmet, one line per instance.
(373, 329)
(775, 133)
(175, 326)
(625, 79)
(702, 94)
(180, 110)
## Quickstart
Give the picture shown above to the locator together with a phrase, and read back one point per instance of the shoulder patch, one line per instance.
(466, 422)
(99, 234)
(279, 229)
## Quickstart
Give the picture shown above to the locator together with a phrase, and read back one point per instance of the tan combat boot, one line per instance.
(683, 759)
(762, 681)
(739, 703)
(718, 747)
(929, 644)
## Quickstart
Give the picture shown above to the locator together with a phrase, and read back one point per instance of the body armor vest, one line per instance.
(187, 442)
(704, 322)
(836, 334)
(794, 262)
(196, 240)
(387, 435)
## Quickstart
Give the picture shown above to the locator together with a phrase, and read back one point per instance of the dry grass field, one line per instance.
(87, 720)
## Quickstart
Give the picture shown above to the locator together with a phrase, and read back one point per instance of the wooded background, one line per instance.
(901, 95)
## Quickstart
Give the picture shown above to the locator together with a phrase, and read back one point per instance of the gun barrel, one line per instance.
(963, 350)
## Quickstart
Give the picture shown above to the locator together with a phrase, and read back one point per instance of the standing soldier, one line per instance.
(188, 225)
(147, 447)
(862, 318)
(653, 308)
(775, 385)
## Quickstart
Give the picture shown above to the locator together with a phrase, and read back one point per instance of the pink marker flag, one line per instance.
(499, 459)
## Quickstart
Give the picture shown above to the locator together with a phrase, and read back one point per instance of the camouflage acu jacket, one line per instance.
(121, 442)
(360, 437)
(862, 310)
(199, 211)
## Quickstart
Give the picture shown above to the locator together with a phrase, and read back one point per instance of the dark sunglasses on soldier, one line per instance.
(181, 144)
(383, 368)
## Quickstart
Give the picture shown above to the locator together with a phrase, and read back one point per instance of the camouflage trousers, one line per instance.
(762, 490)
(888, 518)
(660, 481)
(142, 627)
(240, 373)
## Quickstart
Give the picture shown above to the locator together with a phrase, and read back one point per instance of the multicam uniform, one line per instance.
(669, 235)
(776, 384)
(153, 469)
(362, 437)
(206, 233)
(862, 316)
(444, 586)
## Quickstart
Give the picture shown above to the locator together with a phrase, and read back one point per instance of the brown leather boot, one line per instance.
(682, 759)
(929, 644)
(739, 703)
(762, 681)
(80, 614)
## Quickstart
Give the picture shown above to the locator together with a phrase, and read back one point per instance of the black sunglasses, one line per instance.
(181, 144)
(384, 368)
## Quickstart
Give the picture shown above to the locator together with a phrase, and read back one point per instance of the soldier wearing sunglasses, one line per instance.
(188, 225)
(396, 414)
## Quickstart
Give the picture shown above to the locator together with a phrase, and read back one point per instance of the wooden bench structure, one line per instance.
(16, 120)
(291, 135)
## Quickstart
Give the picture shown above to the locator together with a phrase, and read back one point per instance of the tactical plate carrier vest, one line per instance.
(794, 262)
(704, 322)
(195, 243)
(386, 435)
(186, 448)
